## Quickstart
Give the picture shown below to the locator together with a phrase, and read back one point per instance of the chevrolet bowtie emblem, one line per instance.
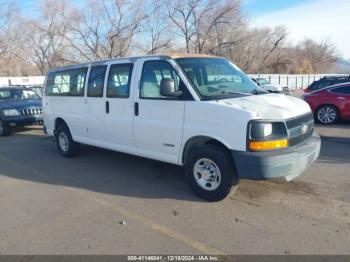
(304, 129)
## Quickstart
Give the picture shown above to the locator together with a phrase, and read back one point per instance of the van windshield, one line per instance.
(217, 78)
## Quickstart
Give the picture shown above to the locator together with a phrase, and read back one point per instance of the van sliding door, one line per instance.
(95, 105)
(119, 105)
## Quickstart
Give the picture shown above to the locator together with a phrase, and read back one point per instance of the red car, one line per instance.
(330, 104)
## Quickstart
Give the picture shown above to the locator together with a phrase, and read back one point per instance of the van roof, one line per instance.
(185, 55)
(170, 55)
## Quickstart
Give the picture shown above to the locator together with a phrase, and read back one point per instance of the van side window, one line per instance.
(68, 82)
(96, 81)
(119, 80)
(152, 74)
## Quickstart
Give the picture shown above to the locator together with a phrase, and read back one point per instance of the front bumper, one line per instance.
(13, 121)
(289, 163)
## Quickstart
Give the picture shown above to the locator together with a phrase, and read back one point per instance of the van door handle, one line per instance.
(136, 109)
(107, 107)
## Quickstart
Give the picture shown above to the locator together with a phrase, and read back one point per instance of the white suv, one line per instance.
(193, 110)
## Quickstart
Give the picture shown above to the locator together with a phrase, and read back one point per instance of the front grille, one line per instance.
(31, 111)
(298, 139)
(296, 127)
(299, 120)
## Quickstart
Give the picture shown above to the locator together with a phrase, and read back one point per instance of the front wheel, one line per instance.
(327, 115)
(210, 172)
(4, 129)
(64, 141)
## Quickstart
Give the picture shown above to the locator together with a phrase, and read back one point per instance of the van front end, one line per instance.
(278, 149)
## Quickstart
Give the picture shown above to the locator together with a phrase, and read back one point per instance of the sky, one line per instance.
(315, 19)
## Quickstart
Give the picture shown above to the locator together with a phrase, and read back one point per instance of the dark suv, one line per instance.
(327, 81)
(19, 106)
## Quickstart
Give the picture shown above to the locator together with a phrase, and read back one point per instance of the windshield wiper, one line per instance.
(234, 93)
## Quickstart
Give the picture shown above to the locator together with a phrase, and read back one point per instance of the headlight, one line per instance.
(10, 112)
(267, 135)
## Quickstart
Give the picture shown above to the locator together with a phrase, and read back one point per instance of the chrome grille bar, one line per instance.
(31, 111)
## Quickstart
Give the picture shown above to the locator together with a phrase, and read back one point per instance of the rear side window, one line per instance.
(324, 84)
(344, 90)
(96, 81)
(119, 78)
(69, 82)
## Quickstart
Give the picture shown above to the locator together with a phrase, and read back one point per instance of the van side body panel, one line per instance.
(70, 109)
(227, 125)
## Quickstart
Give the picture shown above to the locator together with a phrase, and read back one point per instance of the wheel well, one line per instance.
(197, 142)
(328, 104)
(59, 121)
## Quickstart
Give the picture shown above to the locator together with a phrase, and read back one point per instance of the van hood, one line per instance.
(270, 106)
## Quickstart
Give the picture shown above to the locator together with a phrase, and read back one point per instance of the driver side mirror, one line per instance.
(167, 88)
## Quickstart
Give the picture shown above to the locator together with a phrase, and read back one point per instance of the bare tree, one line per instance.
(7, 11)
(180, 13)
(212, 17)
(261, 49)
(320, 55)
(156, 30)
(66, 32)
(46, 35)
(12, 52)
(106, 28)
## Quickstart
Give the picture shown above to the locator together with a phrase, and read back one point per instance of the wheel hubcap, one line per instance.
(326, 115)
(63, 141)
(207, 174)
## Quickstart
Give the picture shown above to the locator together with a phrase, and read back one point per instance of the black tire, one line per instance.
(4, 129)
(324, 108)
(223, 161)
(70, 148)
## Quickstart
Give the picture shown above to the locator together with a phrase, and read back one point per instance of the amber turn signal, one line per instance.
(268, 145)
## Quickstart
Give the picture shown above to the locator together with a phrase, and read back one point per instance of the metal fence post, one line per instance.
(279, 79)
(287, 81)
(302, 81)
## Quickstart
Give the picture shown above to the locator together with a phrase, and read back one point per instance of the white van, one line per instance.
(198, 111)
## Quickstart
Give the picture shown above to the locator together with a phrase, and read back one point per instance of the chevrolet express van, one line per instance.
(198, 111)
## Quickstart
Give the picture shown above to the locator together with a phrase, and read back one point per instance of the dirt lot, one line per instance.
(104, 202)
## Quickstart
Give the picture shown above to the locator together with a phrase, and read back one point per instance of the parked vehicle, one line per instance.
(272, 88)
(325, 82)
(198, 111)
(330, 104)
(19, 106)
(39, 90)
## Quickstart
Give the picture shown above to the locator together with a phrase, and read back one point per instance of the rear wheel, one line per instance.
(327, 115)
(4, 129)
(64, 141)
(210, 172)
